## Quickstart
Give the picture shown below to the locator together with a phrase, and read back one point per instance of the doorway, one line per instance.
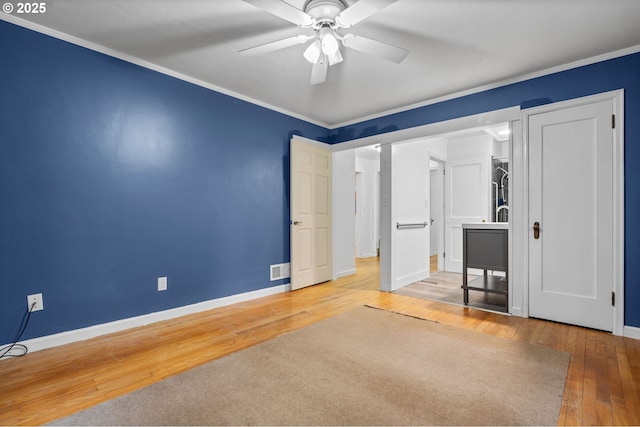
(367, 203)
(393, 259)
(461, 185)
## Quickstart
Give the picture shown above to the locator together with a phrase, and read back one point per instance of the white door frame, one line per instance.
(617, 98)
(411, 134)
(442, 163)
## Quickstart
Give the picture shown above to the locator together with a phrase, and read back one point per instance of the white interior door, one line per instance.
(311, 242)
(466, 201)
(571, 270)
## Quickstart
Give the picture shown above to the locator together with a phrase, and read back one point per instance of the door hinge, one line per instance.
(613, 299)
(444, 171)
(613, 121)
(444, 254)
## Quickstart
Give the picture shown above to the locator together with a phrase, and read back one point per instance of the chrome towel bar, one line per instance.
(415, 225)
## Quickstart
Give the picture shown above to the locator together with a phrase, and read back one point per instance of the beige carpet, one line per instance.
(364, 367)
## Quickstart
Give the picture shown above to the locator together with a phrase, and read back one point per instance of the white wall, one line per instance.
(343, 165)
(437, 147)
(465, 147)
(501, 149)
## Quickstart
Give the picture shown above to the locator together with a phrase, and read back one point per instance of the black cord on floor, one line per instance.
(15, 345)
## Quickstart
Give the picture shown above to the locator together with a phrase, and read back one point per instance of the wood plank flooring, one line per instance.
(444, 286)
(602, 388)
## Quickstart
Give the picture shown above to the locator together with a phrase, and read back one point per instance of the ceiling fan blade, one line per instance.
(283, 10)
(360, 10)
(319, 71)
(375, 48)
(276, 45)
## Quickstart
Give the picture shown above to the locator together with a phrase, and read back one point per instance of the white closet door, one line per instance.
(571, 154)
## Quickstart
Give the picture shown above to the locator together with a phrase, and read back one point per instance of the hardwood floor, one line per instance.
(447, 287)
(602, 388)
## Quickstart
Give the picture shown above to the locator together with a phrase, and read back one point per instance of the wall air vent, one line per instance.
(280, 271)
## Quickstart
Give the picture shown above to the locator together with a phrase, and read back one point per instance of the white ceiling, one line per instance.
(455, 46)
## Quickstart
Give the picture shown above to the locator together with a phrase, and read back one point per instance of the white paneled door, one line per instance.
(571, 214)
(311, 242)
(466, 201)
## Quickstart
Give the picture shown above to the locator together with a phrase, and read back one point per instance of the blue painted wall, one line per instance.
(619, 73)
(112, 175)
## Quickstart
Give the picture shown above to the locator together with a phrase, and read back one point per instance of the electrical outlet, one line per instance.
(162, 284)
(35, 299)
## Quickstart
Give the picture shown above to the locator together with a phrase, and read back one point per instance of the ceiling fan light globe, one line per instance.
(329, 44)
(335, 59)
(312, 53)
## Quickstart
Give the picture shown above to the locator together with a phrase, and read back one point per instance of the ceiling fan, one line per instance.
(326, 18)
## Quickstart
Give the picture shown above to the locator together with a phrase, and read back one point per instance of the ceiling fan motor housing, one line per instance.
(324, 11)
(325, 18)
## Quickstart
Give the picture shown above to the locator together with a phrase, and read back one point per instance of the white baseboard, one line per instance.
(409, 279)
(631, 332)
(345, 273)
(75, 335)
(516, 311)
(368, 255)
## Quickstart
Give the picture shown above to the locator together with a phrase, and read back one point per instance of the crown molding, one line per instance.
(150, 65)
(497, 84)
(155, 67)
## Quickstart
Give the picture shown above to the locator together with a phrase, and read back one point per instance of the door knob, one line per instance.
(297, 222)
(536, 230)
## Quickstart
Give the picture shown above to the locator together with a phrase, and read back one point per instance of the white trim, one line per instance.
(409, 279)
(345, 273)
(146, 64)
(518, 248)
(68, 337)
(617, 99)
(547, 71)
(433, 129)
(368, 255)
(631, 332)
(151, 66)
(618, 212)
(442, 164)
